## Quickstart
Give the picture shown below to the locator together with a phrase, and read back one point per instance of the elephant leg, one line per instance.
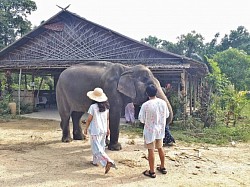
(114, 124)
(65, 130)
(77, 129)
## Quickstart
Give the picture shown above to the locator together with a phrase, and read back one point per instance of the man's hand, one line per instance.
(108, 132)
(86, 131)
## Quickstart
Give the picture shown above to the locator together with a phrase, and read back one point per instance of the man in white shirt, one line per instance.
(153, 115)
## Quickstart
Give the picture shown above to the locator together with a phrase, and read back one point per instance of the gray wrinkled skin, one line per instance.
(119, 82)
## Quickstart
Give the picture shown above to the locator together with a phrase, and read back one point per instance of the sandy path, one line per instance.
(32, 155)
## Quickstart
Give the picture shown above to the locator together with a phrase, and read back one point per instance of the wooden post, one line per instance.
(19, 92)
(183, 92)
(190, 94)
(33, 90)
(195, 92)
(25, 81)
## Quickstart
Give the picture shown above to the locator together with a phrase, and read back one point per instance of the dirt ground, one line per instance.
(31, 154)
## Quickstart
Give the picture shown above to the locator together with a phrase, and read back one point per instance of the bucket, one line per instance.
(12, 108)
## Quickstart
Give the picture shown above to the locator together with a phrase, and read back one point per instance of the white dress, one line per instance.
(98, 130)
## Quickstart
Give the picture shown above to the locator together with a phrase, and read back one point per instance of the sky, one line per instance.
(164, 19)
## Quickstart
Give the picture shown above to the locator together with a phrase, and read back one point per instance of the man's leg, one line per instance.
(151, 160)
(162, 157)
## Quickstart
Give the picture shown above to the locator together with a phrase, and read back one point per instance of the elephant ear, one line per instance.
(126, 84)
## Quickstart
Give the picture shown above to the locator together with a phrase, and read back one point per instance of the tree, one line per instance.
(152, 40)
(212, 90)
(191, 43)
(239, 38)
(223, 102)
(13, 22)
(235, 64)
(171, 47)
(211, 47)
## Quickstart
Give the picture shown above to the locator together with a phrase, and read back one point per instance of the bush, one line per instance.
(4, 105)
(26, 108)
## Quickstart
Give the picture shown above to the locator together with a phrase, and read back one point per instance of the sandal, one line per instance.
(162, 170)
(148, 173)
(107, 167)
(91, 162)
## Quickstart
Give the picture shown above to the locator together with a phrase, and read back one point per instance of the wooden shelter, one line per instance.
(66, 39)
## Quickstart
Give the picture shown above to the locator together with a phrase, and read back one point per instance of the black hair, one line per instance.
(102, 105)
(151, 90)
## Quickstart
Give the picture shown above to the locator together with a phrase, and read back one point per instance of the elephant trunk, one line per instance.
(162, 95)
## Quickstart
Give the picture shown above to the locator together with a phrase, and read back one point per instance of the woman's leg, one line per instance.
(98, 149)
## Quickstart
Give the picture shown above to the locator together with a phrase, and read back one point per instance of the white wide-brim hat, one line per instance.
(97, 95)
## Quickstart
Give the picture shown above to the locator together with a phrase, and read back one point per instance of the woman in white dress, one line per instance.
(98, 125)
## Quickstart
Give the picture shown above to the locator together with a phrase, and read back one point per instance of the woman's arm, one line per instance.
(108, 131)
(89, 119)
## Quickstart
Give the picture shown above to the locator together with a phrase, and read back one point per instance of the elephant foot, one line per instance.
(115, 147)
(66, 139)
(78, 137)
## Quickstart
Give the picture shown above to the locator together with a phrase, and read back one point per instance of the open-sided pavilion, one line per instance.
(67, 39)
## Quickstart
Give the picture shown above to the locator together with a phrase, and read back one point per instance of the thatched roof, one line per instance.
(67, 39)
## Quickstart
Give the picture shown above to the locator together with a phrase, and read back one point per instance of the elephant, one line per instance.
(121, 83)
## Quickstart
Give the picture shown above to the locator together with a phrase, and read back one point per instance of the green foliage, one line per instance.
(211, 107)
(193, 131)
(4, 108)
(226, 103)
(13, 22)
(210, 47)
(25, 108)
(239, 38)
(177, 105)
(220, 134)
(235, 65)
(191, 43)
(235, 103)
(136, 130)
(1, 86)
(171, 47)
(152, 40)
(246, 110)
(47, 82)
(8, 117)
(8, 82)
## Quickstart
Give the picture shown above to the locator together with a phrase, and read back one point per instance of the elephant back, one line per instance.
(77, 80)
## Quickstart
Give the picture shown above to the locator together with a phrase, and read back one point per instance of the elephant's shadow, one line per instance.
(82, 161)
(73, 158)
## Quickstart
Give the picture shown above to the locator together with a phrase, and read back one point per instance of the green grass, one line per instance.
(132, 131)
(8, 117)
(194, 132)
(219, 134)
